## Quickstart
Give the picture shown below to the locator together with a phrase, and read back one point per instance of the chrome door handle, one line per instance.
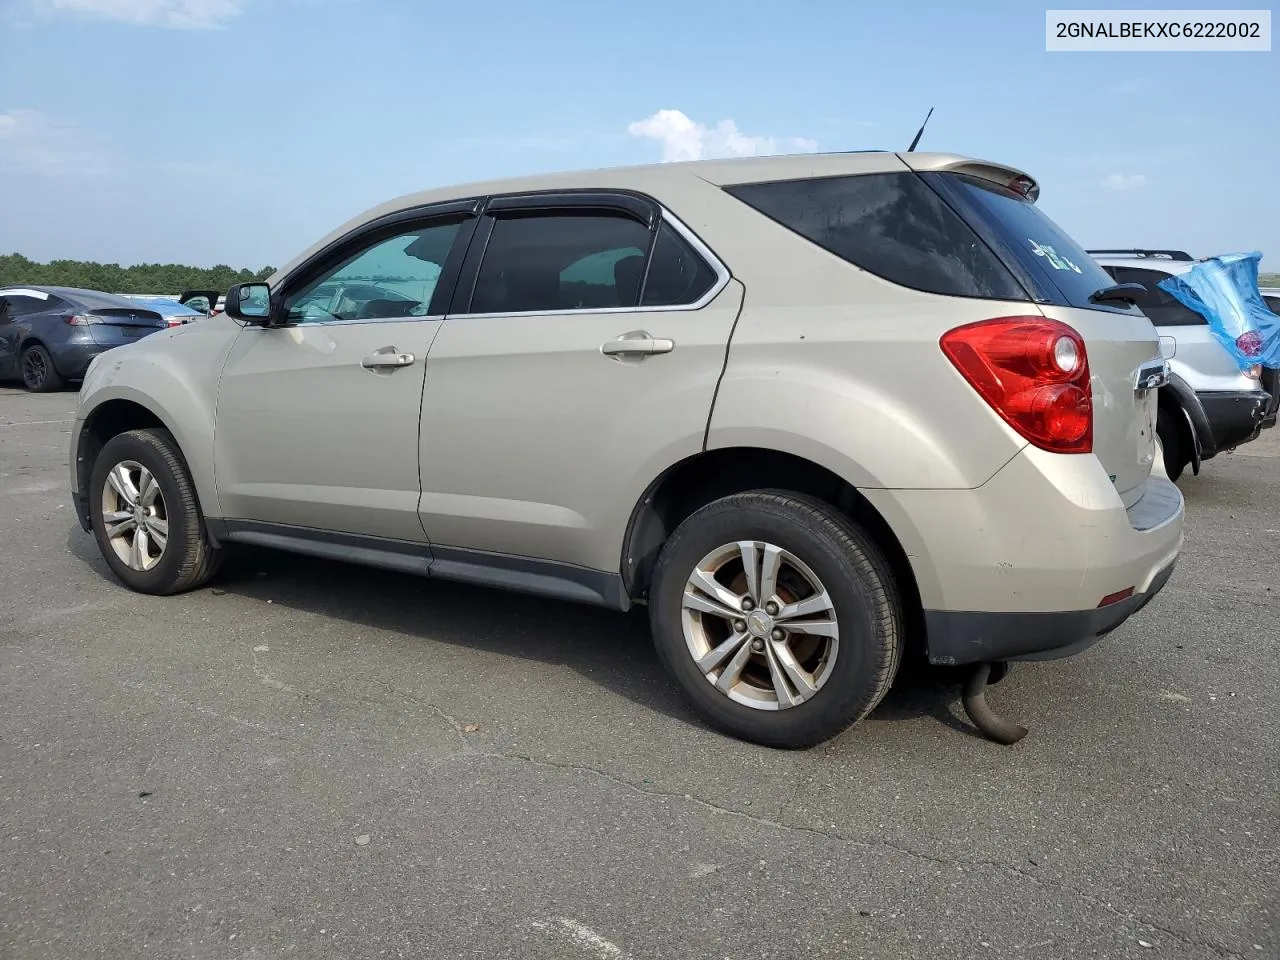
(637, 343)
(387, 357)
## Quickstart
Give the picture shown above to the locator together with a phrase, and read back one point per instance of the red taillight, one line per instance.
(1034, 372)
(77, 320)
(1026, 186)
(174, 322)
(1249, 343)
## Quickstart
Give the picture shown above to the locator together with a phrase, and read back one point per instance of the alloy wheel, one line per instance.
(760, 625)
(34, 369)
(134, 515)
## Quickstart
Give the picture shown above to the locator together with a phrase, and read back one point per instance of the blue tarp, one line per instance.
(1224, 290)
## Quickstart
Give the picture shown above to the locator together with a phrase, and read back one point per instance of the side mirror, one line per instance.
(250, 302)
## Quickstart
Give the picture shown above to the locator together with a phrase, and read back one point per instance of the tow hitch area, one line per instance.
(975, 705)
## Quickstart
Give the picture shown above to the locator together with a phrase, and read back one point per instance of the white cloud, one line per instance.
(36, 143)
(683, 139)
(1125, 181)
(175, 14)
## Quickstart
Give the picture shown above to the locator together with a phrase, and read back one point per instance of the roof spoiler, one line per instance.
(1010, 178)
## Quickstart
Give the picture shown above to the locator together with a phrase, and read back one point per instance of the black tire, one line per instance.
(38, 372)
(855, 574)
(1173, 439)
(188, 559)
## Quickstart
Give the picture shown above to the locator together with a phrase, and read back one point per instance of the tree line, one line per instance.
(155, 278)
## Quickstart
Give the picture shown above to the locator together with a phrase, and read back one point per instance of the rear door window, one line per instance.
(1163, 309)
(1043, 254)
(555, 262)
(892, 225)
(21, 304)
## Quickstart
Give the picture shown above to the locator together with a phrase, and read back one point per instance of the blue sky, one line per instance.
(239, 131)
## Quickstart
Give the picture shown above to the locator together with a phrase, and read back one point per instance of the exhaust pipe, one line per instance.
(975, 705)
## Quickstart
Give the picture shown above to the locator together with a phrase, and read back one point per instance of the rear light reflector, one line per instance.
(1254, 372)
(1116, 597)
(1034, 372)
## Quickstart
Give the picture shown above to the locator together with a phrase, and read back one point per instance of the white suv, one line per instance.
(1210, 404)
(813, 411)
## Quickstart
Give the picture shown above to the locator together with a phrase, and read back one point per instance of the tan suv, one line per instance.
(810, 410)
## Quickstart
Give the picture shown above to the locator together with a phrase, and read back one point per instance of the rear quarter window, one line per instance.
(892, 225)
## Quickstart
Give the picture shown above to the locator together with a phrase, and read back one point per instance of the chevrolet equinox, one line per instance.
(811, 411)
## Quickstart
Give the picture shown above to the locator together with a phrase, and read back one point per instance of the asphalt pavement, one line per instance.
(310, 759)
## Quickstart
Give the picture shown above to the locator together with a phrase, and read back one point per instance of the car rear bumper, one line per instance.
(1233, 417)
(1024, 566)
(959, 637)
(1271, 384)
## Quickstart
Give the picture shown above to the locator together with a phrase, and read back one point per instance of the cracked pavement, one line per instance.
(319, 760)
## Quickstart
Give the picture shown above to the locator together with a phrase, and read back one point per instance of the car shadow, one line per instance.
(610, 649)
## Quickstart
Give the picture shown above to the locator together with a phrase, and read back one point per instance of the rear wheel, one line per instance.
(778, 617)
(38, 372)
(145, 515)
(1174, 441)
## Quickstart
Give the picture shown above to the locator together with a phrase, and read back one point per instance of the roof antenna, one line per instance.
(920, 132)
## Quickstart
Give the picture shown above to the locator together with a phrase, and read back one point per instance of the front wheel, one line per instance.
(778, 617)
(145, 515)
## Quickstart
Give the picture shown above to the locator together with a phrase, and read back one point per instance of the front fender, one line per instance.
(174, 376)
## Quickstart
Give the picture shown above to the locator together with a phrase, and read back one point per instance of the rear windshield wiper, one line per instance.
(1119, 293)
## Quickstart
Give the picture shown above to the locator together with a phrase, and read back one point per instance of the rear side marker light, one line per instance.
(1116, 597)
(1034, 372)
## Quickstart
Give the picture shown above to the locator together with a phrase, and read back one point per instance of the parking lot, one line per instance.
(319, 760)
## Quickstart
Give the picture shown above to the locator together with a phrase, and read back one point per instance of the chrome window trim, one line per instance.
(347, 323)
(723, 276)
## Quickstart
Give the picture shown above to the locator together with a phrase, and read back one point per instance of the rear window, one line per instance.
(891, 224)
(1162, 308)
(1042, 253)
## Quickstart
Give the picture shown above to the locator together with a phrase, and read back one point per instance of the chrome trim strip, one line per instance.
(346, 323)
(721, 271)
(353, 322)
